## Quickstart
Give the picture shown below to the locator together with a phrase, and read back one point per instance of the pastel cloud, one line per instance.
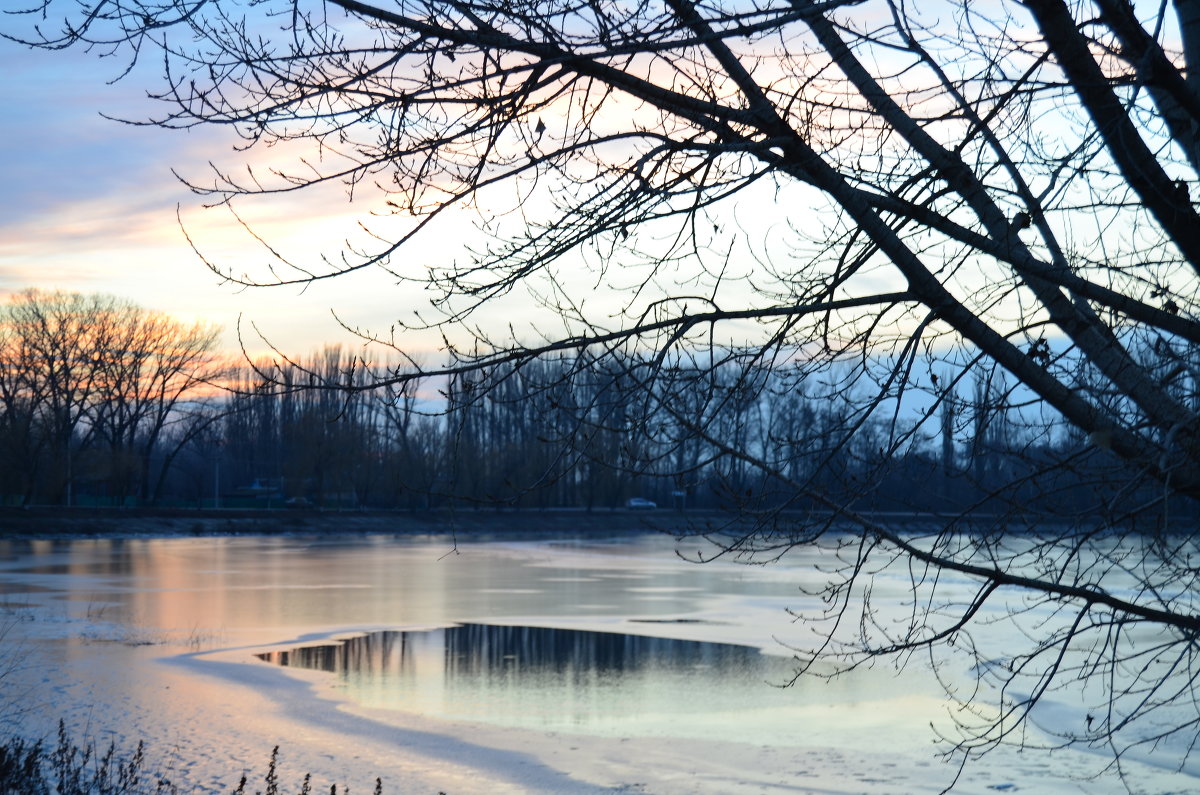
(89, 204)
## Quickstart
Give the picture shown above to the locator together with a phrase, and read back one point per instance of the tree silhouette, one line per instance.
(94, 387)
(869, 196)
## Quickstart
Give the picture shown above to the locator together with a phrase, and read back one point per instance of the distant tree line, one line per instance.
(105, 403)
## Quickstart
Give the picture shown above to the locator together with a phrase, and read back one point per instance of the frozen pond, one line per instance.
(500, 666)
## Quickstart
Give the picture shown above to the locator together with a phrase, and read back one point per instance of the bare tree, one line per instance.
(52, 359)
(868, 194)
(92, 374)
(151, 366)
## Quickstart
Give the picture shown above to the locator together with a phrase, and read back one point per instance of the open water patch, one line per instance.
(541, 677)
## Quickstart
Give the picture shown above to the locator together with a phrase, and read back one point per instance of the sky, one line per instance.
(88, 204)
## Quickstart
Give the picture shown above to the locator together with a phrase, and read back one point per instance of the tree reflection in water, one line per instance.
(541, 676)
(482, 649)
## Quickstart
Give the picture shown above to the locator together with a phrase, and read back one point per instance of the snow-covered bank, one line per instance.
(156, 639)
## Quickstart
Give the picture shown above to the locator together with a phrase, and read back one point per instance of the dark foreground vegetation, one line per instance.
(66, 768)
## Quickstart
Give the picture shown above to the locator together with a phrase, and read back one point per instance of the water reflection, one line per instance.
(520, 675)
(485, 649)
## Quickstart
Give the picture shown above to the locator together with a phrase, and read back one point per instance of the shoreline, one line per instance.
(57, 522)
(60, 522)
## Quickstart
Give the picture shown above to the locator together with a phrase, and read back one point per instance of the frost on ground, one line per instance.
(156, 640)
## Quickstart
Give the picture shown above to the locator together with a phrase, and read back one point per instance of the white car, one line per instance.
(640, 504)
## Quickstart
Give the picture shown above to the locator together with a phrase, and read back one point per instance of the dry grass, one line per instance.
(66, 768)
